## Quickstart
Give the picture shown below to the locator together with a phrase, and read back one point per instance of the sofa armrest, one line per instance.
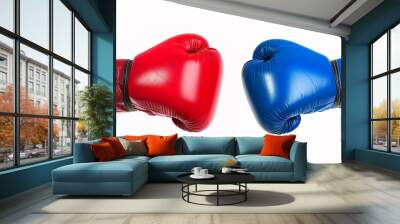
(83, 152)
(298, 155)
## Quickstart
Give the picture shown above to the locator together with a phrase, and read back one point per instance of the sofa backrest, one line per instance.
(193, 145)
(249, 145)
(83, 152)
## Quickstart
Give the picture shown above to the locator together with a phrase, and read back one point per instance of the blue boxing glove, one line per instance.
(285, 80)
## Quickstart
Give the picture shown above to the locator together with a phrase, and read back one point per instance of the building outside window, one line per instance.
(385, 91)
(57, 128)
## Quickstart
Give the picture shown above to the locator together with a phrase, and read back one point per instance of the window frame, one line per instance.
(16, 114)
(388, 74)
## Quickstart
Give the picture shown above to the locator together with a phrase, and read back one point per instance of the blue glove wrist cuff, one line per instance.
(336, 73)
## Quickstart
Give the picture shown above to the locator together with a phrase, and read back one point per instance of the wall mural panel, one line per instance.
(221, 75)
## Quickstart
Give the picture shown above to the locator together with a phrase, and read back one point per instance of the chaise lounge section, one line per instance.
(125, 176)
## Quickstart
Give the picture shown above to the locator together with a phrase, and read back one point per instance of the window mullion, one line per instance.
(16, 84)
(389, 106)
(371, 140)
(50, 81)
(73, 82)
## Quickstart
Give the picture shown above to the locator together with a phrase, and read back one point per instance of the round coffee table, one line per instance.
(238, 179)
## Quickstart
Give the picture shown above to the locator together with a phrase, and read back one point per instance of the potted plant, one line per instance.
(96, 103)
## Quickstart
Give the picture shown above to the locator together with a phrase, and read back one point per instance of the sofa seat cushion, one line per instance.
(112, 171)
(185, 163)
(133, 158)
(257, 163)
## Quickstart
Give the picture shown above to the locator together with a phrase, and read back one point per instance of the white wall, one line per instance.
(142, 25)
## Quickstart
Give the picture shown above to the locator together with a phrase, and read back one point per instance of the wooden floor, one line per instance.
(377, 188)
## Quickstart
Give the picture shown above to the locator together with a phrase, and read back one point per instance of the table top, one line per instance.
(220, 178)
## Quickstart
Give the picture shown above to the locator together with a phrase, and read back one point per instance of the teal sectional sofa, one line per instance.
(125, 176)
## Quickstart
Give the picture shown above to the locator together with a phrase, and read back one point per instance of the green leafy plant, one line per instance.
(96, 103)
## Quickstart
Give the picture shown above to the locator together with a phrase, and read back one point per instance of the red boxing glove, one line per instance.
(179, 78)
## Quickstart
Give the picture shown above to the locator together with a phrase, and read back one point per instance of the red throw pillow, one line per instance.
(161, 145)
(277, 145)
(103, 152)
(116, 145)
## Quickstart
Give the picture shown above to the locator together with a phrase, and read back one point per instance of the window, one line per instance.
(62, 137)
(62, 29)
(81, 81)
(3, 78)
(7, 71)
(81, 45)
(62, 74)
(385, 92)
(45, 124)
(3, 81)
(30, 87)
(37, 89)
(34, 21)
(3, 61)
(30, 72)
(37, 74)
(44, 91)
(7, 14)
(6, 142)
(3, 72)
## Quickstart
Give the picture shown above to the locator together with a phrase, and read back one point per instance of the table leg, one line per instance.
(245, 193)
(188, 189)
(217, 194)
(195, 188)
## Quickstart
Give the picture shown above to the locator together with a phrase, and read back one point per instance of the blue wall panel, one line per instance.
(357, 99)
(103, 63)
(356, 110)
(24, 178)
(376, 158)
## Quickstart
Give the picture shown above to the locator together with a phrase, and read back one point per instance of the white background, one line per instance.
(143, 24)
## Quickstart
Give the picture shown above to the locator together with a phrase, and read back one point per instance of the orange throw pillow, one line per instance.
(277, 145)
(161, 145)
(116, 145)
(103, 152)
(136, 138)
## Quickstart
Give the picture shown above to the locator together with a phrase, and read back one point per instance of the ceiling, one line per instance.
(327, 16)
